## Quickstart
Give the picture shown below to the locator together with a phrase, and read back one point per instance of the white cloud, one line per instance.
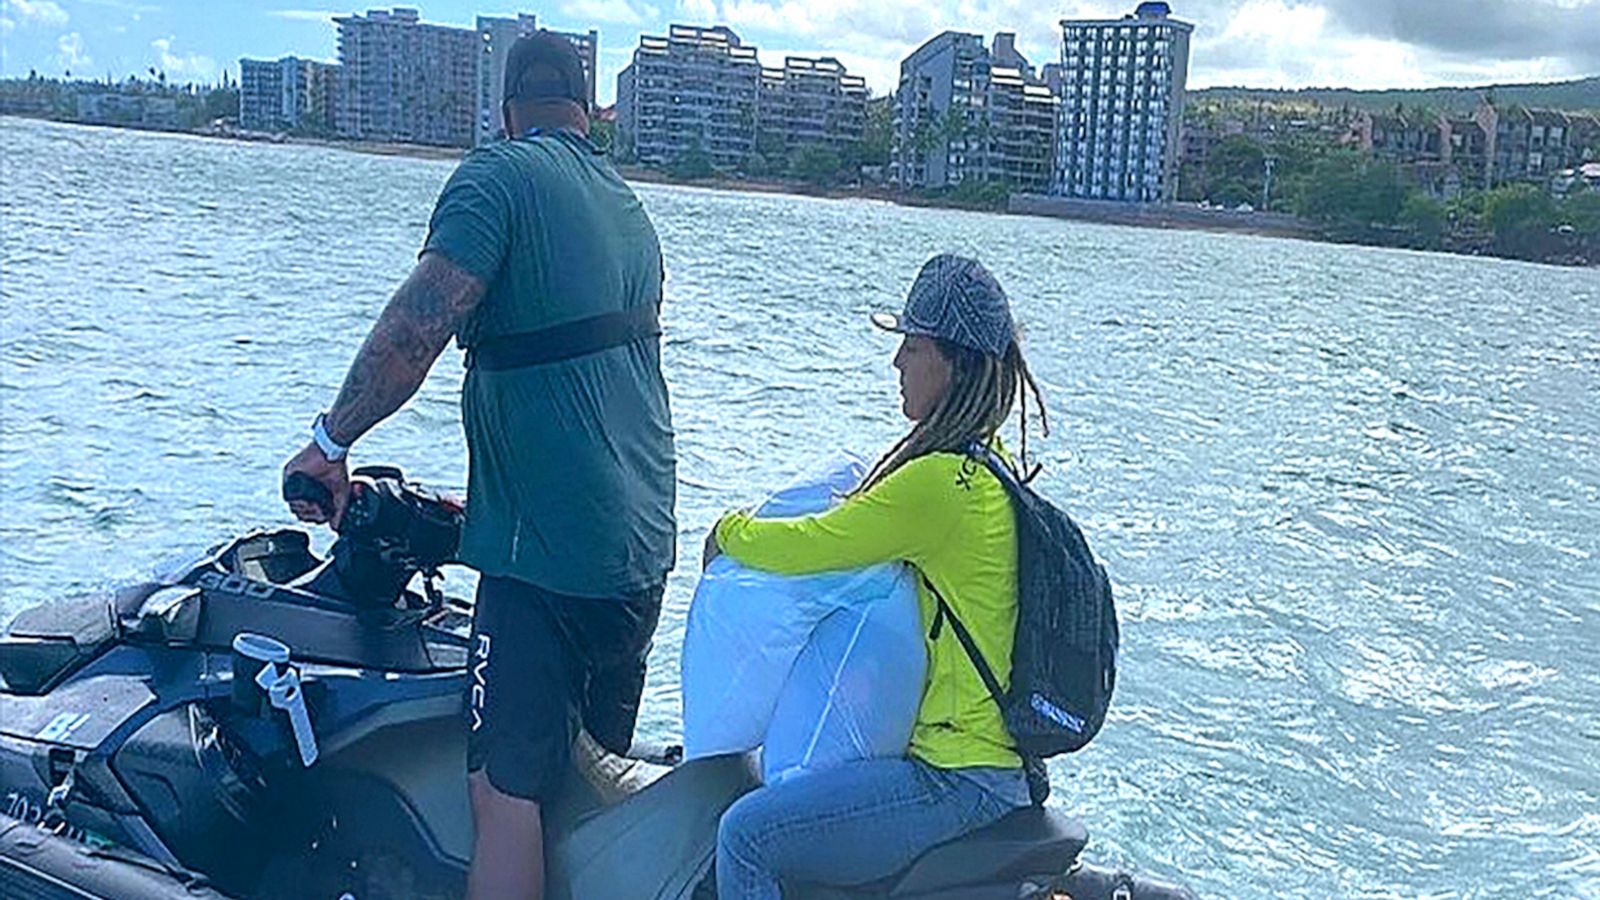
(45, 13)
(1293, 44)
(698, 12)
(871, 36)
(1264, 43)
(615, 12)
(71, 53)
(1276, 23)
(1273, 43)
(303, 15)
(186, 67)
(125, 5)
(796, 18)
(6, 25)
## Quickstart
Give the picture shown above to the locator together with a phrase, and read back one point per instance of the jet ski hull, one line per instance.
(131, 758)
(36, 864)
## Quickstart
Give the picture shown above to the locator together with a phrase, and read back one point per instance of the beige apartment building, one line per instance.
(811, 102)
(967, 112)
(695, 88)
(405, 80)
(703, 88)
(288, 94)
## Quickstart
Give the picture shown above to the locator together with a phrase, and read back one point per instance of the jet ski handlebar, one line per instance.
(407, 522)
(391, 530)
(300, 487)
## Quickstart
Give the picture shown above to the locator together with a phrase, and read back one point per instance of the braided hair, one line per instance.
(982, 390)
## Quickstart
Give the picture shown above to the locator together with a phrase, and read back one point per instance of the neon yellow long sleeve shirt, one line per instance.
(950, 518)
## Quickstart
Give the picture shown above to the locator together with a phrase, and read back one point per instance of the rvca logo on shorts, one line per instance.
(480, 680)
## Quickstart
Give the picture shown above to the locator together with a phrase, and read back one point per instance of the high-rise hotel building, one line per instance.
(967, 112)
(811, 102)
(288, 94)
(703, 90)
(406, 80)
(694, 88)
(1122, 91)
(402, 79)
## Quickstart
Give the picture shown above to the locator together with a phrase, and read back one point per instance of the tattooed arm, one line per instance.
(419, 321)
(413, 330)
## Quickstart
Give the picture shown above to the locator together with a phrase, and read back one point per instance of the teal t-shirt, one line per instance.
(572, 472)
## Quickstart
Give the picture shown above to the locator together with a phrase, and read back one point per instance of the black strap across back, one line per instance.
(569, 340)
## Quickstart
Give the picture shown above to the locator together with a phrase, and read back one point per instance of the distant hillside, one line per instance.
(1583, 94)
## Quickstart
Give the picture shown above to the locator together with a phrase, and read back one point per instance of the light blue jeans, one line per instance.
(854, 824)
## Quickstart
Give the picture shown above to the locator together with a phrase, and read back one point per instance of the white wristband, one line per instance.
(329, 447)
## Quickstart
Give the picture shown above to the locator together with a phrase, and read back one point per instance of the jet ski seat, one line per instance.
(1030, 841)
(46, 643)
(990, 862)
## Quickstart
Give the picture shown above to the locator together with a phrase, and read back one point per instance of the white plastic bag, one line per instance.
(853, 692)
(819, 669)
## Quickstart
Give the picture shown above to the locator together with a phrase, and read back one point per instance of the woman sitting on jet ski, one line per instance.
(926, 503)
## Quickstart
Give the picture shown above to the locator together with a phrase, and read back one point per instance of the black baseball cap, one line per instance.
(561, 77)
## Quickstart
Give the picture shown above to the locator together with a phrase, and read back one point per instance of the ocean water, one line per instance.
(1349, 497)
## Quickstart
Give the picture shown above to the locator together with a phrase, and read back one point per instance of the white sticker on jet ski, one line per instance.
(62, 726)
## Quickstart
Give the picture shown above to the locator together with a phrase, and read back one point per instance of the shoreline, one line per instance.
(1172, 217)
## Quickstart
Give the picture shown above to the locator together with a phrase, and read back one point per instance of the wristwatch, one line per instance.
(329, 447)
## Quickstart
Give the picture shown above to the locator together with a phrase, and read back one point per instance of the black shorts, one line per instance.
(543, 663)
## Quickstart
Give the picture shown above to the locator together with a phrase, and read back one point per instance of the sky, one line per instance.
(1256, 43)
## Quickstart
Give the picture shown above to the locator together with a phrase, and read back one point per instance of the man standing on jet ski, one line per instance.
(544, 266)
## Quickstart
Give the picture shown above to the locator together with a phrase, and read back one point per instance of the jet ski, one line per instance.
(256, 721)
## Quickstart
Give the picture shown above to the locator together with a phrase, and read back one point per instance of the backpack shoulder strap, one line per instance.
(967, 643)
(997, 466)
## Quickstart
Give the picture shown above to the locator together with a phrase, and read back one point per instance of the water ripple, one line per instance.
(1348, 496)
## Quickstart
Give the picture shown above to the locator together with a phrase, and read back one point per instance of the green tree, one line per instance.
(1234, 171)
(622, 147)
(1516, 207)
(849, 163)
(771, 145)
(756, 166)
(694, 163)
(221, 103)
(1582, 212)
(1521, 217)
(815, 165)
(954, 125)
(1191, 183)
(983, 194)
(1297, 156)
(1465, 212)
(1350, 193)
(1232, 192)
(603, 132)
(1424, 217)
(877, 138)
(981, 131)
